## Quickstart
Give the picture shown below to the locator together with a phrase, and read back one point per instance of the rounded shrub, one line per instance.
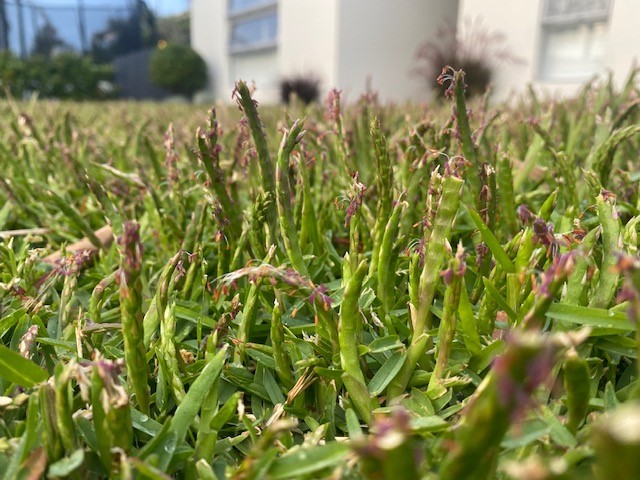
(178, 69)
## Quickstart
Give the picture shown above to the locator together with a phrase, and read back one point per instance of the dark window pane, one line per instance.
(572, 53)
(556, 8)
(255, 31)
(241, 5)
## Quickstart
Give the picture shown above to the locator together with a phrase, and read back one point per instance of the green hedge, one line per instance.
(65, 76)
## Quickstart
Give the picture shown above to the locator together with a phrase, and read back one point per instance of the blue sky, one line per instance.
(162, 7)
(63, 15)
(168, 7)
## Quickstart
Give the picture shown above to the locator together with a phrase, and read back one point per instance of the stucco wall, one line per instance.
(261, 68)
(520, 22)
(378, 40)
(349, 44)
(624, 38)
(308, 39)
(209, 39)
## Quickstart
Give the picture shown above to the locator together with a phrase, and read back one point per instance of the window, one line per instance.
(574, 36)
(253, 25)
(239, 6)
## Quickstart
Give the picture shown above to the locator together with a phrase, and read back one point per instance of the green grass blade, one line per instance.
(499, 299)
(305, 461)
(467, 324)
(386, 372)
(188, 409)
(590, 317)
(492, 242)
(17, 369)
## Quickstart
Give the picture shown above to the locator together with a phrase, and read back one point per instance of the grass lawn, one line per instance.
(442, 292)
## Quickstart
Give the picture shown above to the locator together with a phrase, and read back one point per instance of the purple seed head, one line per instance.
(448, 75)
(482, 250)
(72, 263)
(387, 433)
(131, 248)
(523, 367)
(560, 267)
(356, 194)
(333, 105)
(525, 215)
(319, 293)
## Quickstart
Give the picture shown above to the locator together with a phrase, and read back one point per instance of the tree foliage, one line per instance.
(178, 68)
(47, 41)
(65, 76)
(126, 35)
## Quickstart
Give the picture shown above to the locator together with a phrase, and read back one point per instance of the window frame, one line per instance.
(572, 18)
(262, 9)
(558, 22)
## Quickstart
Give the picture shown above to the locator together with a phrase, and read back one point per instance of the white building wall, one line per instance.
(624, 38)
(258, 68)
(348, 44)
(521, 23)
(209, 38)
(308, 43)
(378, 40)
(351, 44)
